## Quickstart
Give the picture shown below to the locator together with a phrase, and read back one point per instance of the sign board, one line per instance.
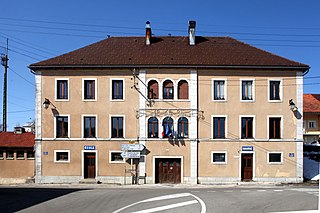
(130, 154)
(247, 148)
(291, 155)
(132, 147)
(89, 147)
(45, 153)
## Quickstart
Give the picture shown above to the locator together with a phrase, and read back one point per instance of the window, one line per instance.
(62, 156)
(117, 127)
(117, 89)
(219, 90)
(167, 90)
(9, 154)
(62, 126)
(275, 158)
(1, 154)
(153, 127)
(20, 154)
(183, 90)
(115, 157)
(89, 125)
(219, 157)
(153, 89)
(219, 127)
(247, 90)
(167, 125)
(183, 127)
(246, 128)
(274, 90)
(62, 89)
(312, 125)
(30, 154)
(274, 128)
(89, 90)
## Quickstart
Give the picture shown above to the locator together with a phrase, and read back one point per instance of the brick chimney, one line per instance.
(192, 32)
(148, 33)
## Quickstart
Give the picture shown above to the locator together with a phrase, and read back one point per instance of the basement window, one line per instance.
(275, 158)
(62, 156)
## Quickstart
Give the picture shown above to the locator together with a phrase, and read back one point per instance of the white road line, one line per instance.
(211, 191)
(261, 190)
(228, 191)
(244, 190)
(161, 208)
(278, 190)
(203, 205)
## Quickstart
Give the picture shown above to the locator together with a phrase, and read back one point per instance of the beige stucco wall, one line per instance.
(16, 168)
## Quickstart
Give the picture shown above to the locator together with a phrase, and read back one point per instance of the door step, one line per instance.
(88, 181)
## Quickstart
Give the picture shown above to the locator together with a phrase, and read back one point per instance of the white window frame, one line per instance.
(280, 90)
(123, 89)
(55, 125)
(124, 126)
(253, 89)
(82, 125)
(95, 89)
(20, 158)
(225, 127)
(274, 163)
(177, 89)
(314, 124)
(56, 88)
(110, 157)
(224, 91)
(219, 152)
(55, 156)
(175, 95)
(281, 126)
(253, 128)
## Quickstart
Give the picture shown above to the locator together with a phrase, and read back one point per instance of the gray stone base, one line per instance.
(217, 180)
(4, 181)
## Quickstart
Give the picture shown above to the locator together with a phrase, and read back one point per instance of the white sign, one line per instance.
(132, 147)
(130, 154)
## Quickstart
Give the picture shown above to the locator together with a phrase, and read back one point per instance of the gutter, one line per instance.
(34, 68)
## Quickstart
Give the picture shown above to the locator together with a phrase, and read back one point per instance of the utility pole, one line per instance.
(4, 62)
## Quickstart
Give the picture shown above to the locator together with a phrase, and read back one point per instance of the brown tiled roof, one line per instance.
(168, 51)
(311, 103)
(10, 139)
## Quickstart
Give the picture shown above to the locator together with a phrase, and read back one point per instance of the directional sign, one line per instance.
(132, 147)
(130, 154)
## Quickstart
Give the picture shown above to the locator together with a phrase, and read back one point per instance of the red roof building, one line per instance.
(311, 117)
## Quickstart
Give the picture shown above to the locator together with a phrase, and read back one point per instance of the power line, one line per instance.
(22, 77)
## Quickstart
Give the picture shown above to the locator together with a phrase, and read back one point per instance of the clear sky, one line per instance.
(39, 29)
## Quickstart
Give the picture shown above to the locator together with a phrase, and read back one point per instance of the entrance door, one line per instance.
(89, 165)
(246, 167)
(169, 170)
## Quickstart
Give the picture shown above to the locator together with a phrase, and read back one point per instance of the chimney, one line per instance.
(148, 33)
(192, 32)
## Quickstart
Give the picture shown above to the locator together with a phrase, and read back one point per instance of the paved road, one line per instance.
(160, 198)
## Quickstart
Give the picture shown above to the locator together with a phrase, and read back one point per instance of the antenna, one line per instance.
(4, 63)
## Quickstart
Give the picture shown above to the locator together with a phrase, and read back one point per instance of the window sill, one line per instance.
(62, 100)
(62, 162)
(219, 163)
(20, 158)
(116, 162)
(9, 158)
(30, 158)
(275, 163)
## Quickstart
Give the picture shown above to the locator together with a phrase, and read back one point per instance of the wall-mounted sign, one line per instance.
(130, 154)
(132, 147)
(291, 155)
(247, 148)
(89, 147)
(45, 153)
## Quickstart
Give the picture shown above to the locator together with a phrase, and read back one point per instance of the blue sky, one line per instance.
(39, 29)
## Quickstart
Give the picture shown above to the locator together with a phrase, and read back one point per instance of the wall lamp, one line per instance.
(47, 103)
(292, 105)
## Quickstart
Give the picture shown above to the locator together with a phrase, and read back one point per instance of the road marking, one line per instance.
(228, 191)
(278, 190)
(211, 191)
(261, 190)
(166, 197)
(161, 208)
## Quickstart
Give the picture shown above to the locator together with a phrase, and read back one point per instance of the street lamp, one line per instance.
(47, 103)
(292, 105)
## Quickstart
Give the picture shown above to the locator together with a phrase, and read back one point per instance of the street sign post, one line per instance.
(130, 154)
(132, 147)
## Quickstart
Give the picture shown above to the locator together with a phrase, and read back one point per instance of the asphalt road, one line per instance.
(157, 198)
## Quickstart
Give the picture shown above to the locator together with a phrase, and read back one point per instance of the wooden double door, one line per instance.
(246, 167)
(89, 165)
(168, 170)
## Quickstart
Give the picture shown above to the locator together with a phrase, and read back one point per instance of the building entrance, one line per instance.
(246, 167)
(89, 165)
(168, 170)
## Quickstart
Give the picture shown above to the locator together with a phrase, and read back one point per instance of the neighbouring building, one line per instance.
(16, 156)
(170, 109)
(311, 118)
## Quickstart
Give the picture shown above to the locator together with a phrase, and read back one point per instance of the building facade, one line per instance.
(16, 156)
(311, 118)
(204, 109)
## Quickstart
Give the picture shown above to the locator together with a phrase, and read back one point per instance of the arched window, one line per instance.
(183, 127)
(167, 125)
(153, 127)
(167, 89)
(183, 90)
(153, 89)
